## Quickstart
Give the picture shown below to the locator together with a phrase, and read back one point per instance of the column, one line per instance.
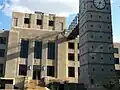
(30, 60)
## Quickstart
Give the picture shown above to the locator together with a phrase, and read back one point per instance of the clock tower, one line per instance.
(97, 68)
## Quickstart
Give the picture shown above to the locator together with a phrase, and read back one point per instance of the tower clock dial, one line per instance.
(99, 4)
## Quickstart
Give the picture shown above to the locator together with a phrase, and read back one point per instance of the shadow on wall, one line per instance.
(17, 54)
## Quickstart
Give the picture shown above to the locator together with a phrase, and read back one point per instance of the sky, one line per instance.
(67, 8)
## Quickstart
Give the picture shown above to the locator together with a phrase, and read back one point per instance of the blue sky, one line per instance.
(5, 15)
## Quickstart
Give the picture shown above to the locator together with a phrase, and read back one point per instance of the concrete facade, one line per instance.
(97, 68)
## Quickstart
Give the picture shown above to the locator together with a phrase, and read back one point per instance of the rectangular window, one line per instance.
(71, 56)
(92, 81)
(15, 21)
(51, 23)
(1, 70)
(78, 57)
(24, 48)
(2, 52)
(2, 40)
(78, 45)
(50, 71)
(26, 20)
(38, 50)
(78, 71)
(117, 72)
(116, 50)
(116, 60)
(39, 22)
(61, 25)
(22, 69)
(70, 45)
(71, 72)
(51, 50)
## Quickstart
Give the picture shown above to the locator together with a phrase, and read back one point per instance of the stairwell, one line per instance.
(33, 84)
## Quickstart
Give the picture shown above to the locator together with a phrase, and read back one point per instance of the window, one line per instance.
(71, 56)
(71, 72)
(91, 25)
(51, 50)
(78, 71)
(99, 16)
(24, 48)
(2, 40)
(116, 50)
(102, 69)
(38, 50)
(50, 71)
(117, 72)
(92, 81)
(2, 52)
(93, 58)
(15, 21)
(22, 69)
(78, 57)
(78, 45)
(101, 58)
(70, 45)
(39, 22)
(51, 23)
(61, 24)
(1, 70)
(116, 60)
(26, 20)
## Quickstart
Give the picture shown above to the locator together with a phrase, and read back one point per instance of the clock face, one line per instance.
(100, 4)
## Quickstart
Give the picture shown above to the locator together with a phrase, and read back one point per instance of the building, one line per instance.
(29, 48)
(97, 69)
(35, 48)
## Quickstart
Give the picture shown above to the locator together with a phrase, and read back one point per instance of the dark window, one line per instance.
(51, 50)
(50, 71)
(116, 60)
(117, 72)
(78, 57)
(2, 52)
(15, 21)
(51, 23)
(71, 71)
(71, 56)
(92, 81)
(91, 25)
(116, 50)
(23, 70)
(26, 20)
(78, 45)
(70, 45)
(93, 58)
(102, 69)
(2, 40)
(38, 50)
(78, 71)
(39, 22)
(24, 48)
(1, 70)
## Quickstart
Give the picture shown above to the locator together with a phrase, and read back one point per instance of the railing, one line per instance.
(73, 24)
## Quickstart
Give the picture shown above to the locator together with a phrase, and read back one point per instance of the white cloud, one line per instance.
(116, 39)
(59, 7)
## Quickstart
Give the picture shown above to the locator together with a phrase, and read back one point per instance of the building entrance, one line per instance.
(36, 72)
